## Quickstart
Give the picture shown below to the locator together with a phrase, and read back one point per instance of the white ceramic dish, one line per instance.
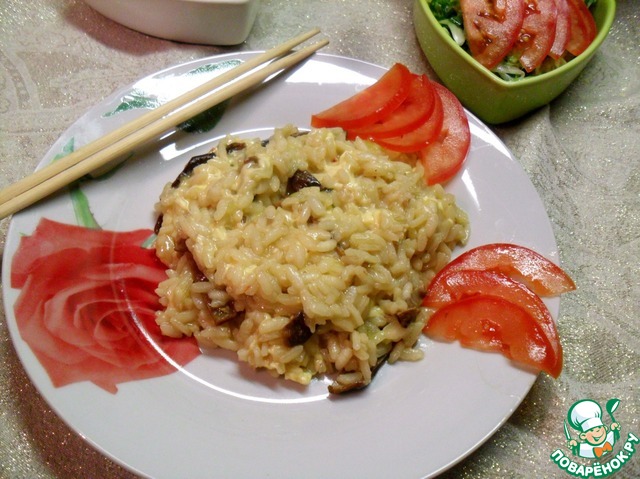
(216, 417)
(212, 22)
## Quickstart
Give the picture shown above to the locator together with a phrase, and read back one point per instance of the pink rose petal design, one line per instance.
(87, 306)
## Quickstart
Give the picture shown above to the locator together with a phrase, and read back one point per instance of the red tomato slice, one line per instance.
(413, 112)
(458, 285)
(583, 27)
(537, 34)
(523, 264)
(492, 28)
(444, 156)
(563, 30)
(418, 138)
(371, 104)
(490, 323)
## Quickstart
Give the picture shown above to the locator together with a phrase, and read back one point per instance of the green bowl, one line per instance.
(485, 94)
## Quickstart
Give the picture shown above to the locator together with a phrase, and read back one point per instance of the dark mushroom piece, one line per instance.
(191, 165)
(337, 388)
(301, 179)
(158, 225)
(405, 318)
(235, 146)
(297, 332)
(224, 313)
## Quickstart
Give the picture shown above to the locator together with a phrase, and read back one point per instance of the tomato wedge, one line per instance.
(423, 135)
(583, 27)
(492, 28)
(370, 105)
(563, 30)
(538, 273)
(445, 155)
(458, 285)
(537, 34)
(414, 111)
(491, 323)
(426, 119)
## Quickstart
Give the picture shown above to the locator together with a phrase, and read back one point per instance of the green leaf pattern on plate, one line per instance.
(134, 100)
(201, 123)
(81, 208)
(140, 99)
(80, 202)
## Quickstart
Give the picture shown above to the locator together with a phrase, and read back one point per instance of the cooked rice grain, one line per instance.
(246, 255)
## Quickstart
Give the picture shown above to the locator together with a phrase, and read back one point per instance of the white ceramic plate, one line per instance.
(216, 417)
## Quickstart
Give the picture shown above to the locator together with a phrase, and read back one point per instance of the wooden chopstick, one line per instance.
(99, 152)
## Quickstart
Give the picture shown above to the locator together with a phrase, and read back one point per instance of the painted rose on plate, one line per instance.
(87, 306)
(87, 302)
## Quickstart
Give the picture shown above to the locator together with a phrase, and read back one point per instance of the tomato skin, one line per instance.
(413, 112)
(457, 285)
(371, 104)
(440, 141)
(538, 33)
(583, 27)
(538, 273)
(491, 323)
(492, 28)
(423, 135)
(444, 157)
(563, 30)
(487, 298)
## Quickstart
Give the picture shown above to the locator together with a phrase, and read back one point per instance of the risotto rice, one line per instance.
(307, 254)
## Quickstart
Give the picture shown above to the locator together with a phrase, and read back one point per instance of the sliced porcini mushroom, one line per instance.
(191, 165)
(223, 313)
(341, 387)
(405, 318)
(296, 331)
(301, 179)
(235, 146)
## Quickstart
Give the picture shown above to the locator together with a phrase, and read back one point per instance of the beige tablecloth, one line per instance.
(59, 57)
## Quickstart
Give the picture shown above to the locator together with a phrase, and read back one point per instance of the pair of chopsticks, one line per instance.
(68, 169)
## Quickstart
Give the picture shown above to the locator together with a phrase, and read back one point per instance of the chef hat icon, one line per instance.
(585, 415)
